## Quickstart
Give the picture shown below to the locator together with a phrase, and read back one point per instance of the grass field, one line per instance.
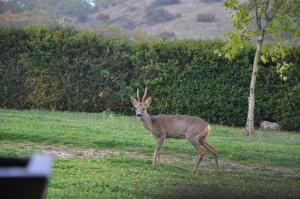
(103, 155)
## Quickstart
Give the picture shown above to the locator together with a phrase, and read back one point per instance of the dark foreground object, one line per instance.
(24, 177)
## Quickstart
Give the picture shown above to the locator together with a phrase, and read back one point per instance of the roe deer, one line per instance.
(194, 129)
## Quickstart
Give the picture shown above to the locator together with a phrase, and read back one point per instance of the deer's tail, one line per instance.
(206, 131)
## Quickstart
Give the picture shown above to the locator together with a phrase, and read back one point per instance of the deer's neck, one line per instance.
(146, 119)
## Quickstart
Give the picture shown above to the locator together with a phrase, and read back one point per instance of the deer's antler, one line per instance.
(143, 99)
(138, 95)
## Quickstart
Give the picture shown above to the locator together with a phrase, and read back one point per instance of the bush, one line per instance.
(167, 35)
(156, 14)
(103, 17)
(64, 69)
(206, 17)
(132, 8)
(158, 3)
(211, 1)
(124, 22)
(13, 45)
(159, 15)
(82, 18)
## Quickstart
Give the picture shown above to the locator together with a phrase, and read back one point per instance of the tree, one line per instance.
(276, 21)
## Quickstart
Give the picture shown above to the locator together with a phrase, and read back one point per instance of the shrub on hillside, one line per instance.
(158, 3)
(159, 15)
(132, 8)
(211, 1)
(82, 18)
(167, 35)
(103, 17)
(206, 17)
(124, 22)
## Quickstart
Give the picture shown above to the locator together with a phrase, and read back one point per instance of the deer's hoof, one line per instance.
(155, 163)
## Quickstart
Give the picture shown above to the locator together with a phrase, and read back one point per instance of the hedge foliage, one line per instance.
(64, 69)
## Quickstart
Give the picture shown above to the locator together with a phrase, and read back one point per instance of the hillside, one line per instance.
(159, 18)
(181, 21)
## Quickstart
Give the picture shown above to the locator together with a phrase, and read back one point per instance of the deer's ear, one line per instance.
(148, 101)
(134, 101)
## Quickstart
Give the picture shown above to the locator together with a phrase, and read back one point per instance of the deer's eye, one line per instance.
(143, 109)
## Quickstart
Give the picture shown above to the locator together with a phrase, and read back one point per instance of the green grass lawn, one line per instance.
(266, 166)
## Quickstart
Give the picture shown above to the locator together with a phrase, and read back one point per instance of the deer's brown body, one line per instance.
(192, 128)
(175, 126)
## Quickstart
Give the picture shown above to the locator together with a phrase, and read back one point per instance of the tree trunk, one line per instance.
(251, 99)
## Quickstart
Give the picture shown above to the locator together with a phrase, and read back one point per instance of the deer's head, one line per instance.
(140, 105)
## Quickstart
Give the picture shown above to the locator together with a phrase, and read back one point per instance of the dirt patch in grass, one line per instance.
(230, 165)
(63, 151)
(66, 153)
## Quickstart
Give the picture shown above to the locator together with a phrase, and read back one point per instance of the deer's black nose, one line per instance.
(139, 115)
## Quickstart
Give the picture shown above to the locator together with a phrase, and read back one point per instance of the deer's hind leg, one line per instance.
(201, 150)
(213, 151)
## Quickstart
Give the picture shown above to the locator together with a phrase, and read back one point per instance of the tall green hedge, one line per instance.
(64, 69)
(187, 77)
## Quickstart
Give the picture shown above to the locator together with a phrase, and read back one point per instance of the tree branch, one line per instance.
(267, 17)
(257, 16)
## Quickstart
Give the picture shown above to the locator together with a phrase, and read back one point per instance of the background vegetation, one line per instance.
(63, 69)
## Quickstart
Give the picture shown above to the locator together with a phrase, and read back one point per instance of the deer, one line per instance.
(192, 128)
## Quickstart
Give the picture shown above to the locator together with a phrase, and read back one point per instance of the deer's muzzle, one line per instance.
(139, 115)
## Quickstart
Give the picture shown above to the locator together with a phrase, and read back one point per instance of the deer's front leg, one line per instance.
(156, 156)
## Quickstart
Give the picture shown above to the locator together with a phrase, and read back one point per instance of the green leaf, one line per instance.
(263, 59)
